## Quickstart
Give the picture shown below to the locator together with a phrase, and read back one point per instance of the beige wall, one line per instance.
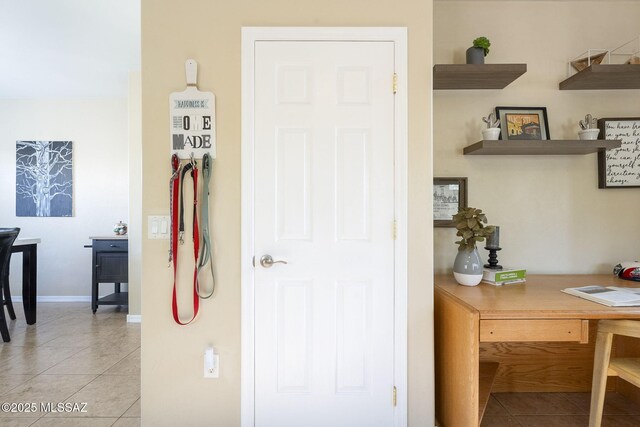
(552, 216)
(173, 390)
(135, 193)
(98, 130)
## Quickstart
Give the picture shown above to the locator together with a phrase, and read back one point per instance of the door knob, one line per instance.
(267, 261)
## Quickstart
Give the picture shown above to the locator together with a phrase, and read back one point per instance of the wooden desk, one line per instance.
(495, 325)
(29, 249)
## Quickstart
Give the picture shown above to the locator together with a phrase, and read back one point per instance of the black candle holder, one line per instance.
(493, 259)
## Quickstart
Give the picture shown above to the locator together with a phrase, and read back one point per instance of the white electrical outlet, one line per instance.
(211, 363)
(158, 226)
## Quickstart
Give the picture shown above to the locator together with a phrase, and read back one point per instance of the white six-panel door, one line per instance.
(324, 203)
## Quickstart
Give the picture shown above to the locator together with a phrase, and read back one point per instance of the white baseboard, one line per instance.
(134, 318)
(57, 298)
(131, 318)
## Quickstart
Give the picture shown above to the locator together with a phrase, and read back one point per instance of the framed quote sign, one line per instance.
(620, 167)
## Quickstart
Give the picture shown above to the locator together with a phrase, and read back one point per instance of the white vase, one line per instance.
(491, 134)
(467, 267)
(589, 134)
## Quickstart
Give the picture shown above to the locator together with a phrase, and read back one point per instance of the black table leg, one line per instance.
(29, 282)
(94, 282)
(94, 296)
(4, 331)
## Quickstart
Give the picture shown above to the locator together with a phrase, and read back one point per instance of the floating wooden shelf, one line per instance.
(546, 147)
(604, 76)
(476, 76)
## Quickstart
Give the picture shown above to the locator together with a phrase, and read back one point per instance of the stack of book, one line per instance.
(506, 276)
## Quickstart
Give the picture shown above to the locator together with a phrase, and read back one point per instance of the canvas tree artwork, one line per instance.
(44, 185)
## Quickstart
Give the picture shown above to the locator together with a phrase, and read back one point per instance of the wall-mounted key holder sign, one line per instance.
(192, 116)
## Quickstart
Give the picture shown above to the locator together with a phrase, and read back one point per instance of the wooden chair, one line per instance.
(603, 365)
(7, 237)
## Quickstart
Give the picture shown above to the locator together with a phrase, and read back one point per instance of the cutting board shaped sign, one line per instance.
(192, 116)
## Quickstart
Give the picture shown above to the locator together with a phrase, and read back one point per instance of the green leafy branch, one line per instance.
(471, 229)
(483, 43)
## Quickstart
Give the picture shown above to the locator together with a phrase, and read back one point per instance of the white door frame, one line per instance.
(250, 35)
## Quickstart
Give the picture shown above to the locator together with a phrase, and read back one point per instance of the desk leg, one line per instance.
(29, 282)
(457, 359)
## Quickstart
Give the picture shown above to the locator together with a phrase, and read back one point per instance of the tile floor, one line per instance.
(556, 410)
(71, 356)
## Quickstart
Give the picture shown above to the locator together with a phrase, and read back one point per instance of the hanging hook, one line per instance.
(191, 70)
(175, 166)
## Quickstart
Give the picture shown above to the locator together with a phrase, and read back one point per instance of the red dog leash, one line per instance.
(177, 181)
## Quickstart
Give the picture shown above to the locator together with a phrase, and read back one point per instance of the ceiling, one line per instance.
(68, 48)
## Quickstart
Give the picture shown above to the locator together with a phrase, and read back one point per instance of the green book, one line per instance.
(504, 275)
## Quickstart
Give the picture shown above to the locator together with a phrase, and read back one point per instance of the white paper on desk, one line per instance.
(630, 290)
(606, 296)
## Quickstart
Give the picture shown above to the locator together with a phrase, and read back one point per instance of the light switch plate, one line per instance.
(158, 227)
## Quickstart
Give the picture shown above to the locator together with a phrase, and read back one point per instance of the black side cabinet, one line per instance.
(110, 265)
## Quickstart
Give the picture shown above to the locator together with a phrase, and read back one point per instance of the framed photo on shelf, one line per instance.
(523, 123)
(449, 195)
(620, 167)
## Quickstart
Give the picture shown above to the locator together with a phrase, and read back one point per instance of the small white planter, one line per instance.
(491, 133)
(589, 134)
(468, 279)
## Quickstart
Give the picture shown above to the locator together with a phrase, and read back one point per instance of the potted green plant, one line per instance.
(470, 223)
(480, 49)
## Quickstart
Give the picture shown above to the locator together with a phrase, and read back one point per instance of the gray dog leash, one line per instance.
(205, 250)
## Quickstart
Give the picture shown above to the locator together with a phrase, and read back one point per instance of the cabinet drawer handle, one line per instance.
(114, 246)
(97, 265)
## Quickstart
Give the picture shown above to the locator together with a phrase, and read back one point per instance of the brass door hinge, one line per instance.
(395, 229)
(395, 396)
(395, 83)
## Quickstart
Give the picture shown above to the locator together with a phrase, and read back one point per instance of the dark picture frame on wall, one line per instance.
(620, 167)
(449, 196)
(523, 123)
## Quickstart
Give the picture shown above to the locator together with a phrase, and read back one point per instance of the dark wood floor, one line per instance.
(556, 410)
